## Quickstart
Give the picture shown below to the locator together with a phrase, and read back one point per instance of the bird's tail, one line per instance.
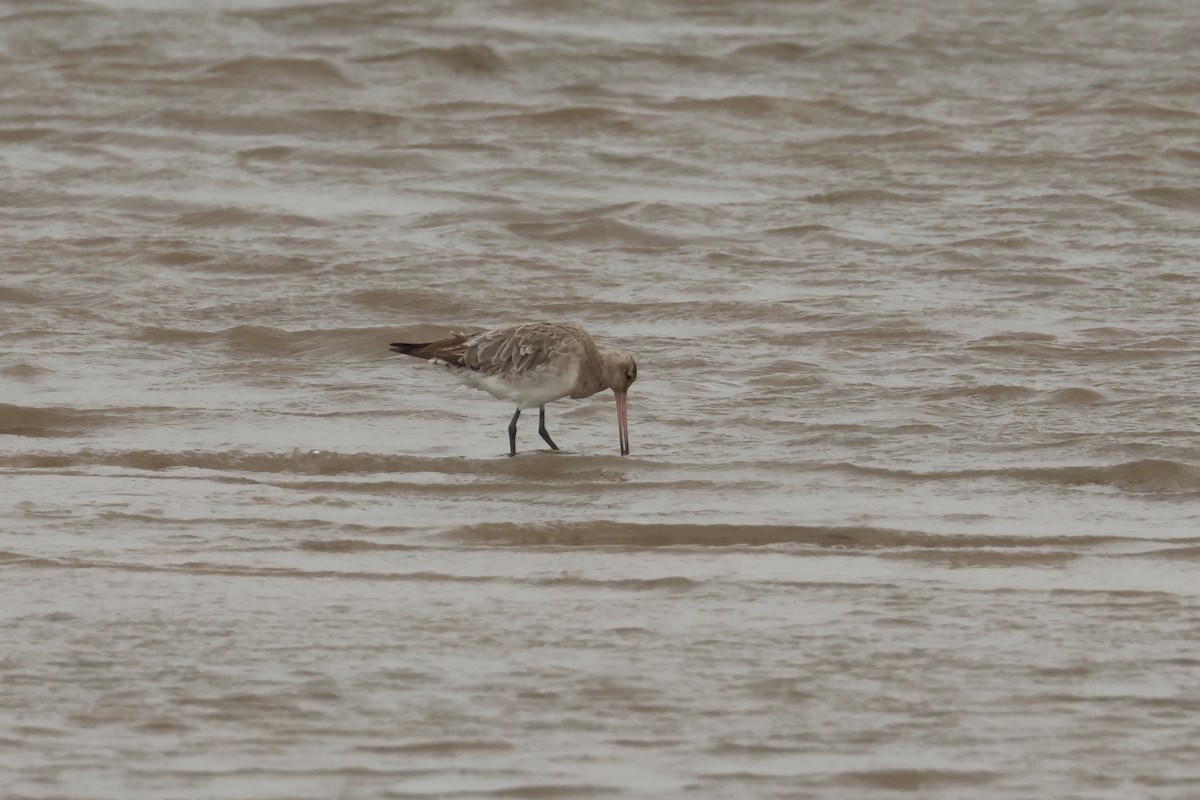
(409, 349)
(447, 351)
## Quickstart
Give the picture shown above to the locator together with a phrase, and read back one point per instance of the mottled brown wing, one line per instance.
(517, 350)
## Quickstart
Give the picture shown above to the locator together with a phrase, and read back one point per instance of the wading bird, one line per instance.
(532, 365)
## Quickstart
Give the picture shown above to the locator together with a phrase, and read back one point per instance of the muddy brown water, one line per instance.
(913, 507)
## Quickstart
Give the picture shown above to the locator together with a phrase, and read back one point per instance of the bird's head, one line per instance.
(619, 373)
(620, 370)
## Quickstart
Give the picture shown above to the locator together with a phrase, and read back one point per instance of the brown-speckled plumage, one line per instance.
(533, 364)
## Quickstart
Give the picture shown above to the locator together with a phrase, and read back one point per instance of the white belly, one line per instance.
(528, 390)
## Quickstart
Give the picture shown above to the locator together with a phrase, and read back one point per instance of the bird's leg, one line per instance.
(542, 428)
(512, 434)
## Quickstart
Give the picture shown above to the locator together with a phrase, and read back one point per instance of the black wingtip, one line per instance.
(405, 348)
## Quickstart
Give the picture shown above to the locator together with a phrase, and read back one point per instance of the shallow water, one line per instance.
(912, 505)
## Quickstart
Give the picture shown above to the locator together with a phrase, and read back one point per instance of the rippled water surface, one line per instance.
(913, 507)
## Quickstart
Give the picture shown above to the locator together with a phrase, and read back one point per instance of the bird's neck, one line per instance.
(600, 375)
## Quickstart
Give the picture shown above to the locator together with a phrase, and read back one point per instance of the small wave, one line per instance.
(297, 462)
(742, 105)
(182, 258)
(1146, 476)
(350, 546)
(885, 334)
(28, 196)
(498, 784)
(271, 342)
(1191, 156)
(390, 162)
(531, 482)
(789, 374)
(993, 393)
(21, 135)
(666, 584)
(47, 421)
(1050, 350)
(862, 196)
(1007, 242)
(1020, 337)
(12, 295)
(982, 547)
(245, 571)
(1174, 277)
(824, 113)
(1007, 393)
(472, 109)
(264, 264)
(911, 780)
(871, 142)
(535, 467)
(289, 525)
(589, 117)
(257, 337)
(269, 153)
(650, 164)
(59, 12)
(1074, 396)
(232, 216)
(1021, 277)
(255, 122)
(1142, 109)
(344, 121)
(462, 58)
(440, 747)
(785, 52)
(23, 372)
(260, 72)
(676, 583)
(115, 53)
(597, 231)
(613, 533)
(798, 230)
(1169, 197)
(415, 302)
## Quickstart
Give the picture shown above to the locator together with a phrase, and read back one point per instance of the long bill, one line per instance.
(622, 422)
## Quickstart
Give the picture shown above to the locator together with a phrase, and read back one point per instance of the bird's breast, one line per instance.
(527, 388)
